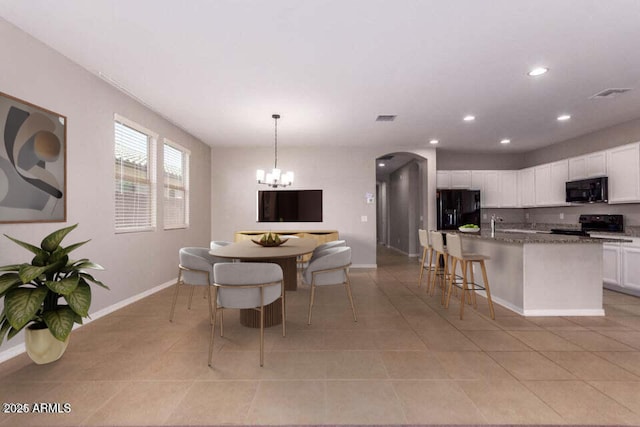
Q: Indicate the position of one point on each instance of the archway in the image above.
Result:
(402, 202)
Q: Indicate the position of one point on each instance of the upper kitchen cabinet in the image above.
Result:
(549, 183)
(527, 184)
(588, 166)
(460, 179)
(508, 189)
(453, 179)
(443, 179)
(624, 173)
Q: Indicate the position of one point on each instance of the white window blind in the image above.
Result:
(176, 185)
(135, 183)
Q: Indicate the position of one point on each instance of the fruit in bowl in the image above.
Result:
(270, 239)
(469, 228)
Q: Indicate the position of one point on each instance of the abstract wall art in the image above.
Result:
(33, 151)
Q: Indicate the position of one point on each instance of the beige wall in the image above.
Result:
(134, 262)
(344, 174)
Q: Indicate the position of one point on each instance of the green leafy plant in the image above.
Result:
(51, 292)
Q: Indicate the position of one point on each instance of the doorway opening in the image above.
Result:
(401, 201)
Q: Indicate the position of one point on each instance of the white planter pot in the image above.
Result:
(42, 347)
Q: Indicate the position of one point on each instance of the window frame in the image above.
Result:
(151, 181)
(186, 188)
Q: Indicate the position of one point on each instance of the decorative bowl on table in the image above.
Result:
(269, 240)
(469, 229)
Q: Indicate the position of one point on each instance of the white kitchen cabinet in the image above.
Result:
(443, 179)
(621, 264)
(460, 179)
(491, 190)
(549, 183)
(623, 164)
(559, 178)
(542, 179)
(477, 180)
(611, 264)
(508, 186)
(588, 166)
(526, 183)
(631, 265)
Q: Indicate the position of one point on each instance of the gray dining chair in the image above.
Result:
(195, 269)
(246, 285)
(331, 267)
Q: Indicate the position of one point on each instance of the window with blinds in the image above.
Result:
(176, 185)
(135, 183)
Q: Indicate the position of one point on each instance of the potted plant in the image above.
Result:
(47, 296)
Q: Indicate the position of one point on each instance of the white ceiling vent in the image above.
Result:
(609, 93)
(385, 118)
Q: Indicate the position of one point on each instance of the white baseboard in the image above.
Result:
(20, 348)
(565, 312)
(364, 266)
(545, 312)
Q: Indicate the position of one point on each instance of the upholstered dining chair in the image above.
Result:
(246, 285)
(195, 269)
(332, 244)
(331, 267)
(218, 243)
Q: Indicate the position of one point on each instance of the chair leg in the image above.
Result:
(347, 284)
(434, 278)
(311, 297)
(454, 265)
(464, 288)
(473, 287)
(208, 295)
(175, 296)
(424, 255)
(431, 264)
(213, 324)
(486, 288)
(443, 283)
(221, 322)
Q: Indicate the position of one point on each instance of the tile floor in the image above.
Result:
(407, 360)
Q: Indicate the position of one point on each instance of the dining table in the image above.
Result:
(285, 255)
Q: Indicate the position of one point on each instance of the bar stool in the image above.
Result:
(442, 257)
(454, 249)
(426, 249)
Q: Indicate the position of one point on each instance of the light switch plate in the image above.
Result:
(364, 218)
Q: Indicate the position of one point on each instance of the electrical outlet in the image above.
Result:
(526, 215)
(484, 216)
(364, 218)
(561, 215)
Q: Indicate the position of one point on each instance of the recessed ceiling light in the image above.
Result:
(564, 117)
(381, 164)
(505, 141)
(434, 141)
(538, 71)
(469, 118)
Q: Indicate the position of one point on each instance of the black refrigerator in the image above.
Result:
(457, 207)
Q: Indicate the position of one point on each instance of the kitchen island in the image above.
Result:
(541, 274)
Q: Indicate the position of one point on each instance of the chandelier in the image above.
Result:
(275, 178)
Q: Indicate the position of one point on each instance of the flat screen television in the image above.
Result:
(290, 206)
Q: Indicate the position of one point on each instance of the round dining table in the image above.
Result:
(285, 256)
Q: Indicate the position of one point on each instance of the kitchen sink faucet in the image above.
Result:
(494, 218)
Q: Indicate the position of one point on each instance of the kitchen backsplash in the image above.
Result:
(562, 217)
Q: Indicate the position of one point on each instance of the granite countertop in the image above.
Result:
(522, 238)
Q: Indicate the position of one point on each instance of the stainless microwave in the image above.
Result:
(592, 190)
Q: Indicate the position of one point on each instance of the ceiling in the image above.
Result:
(219, 69)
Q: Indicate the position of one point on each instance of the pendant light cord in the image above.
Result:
(275, 166)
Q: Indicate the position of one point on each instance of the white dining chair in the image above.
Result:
(246, 285)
